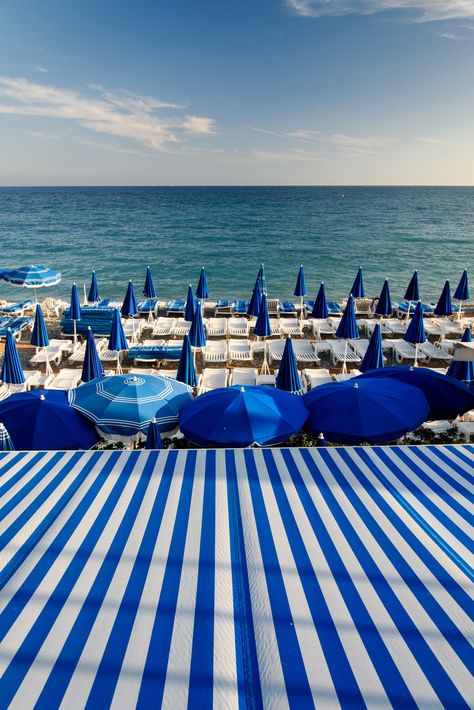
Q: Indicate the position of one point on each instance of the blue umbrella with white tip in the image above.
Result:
(39, 336)
(153, 437)
(197, 334)
(384, 304)
(190, 305)
(320, 308)
(462, 291)
(202, 290)
(357, 290)
(256, 300)
(93, 295)
(444, 305)
(117, 339)
(300, 288)
(75, 309)
(186, 369)
(92, 366)
(373, 357)
(416, 334)
(149, 291)
(347, 328)
(263, 330)
(288, 377)
(129, 305)
(413, 292)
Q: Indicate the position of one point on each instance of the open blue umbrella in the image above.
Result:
(92, 366)
(288, 377)
(6, 443)
(75, 309)
(149, 290)
(357, 289)
(123, 406)
(444, 305)
(463, 371)
(347, 328)
(12, 372)
(373, 357)
(186, 369)
(33, 276)
(300, 288)
(413, 292)
(384, 304)
(197, 334)
(117, 339)
(39, 336)
(93, 295)
(42, 420)
(416, 330)
(447, 397)
(359, 410)
(129, 305)
(242, 416)
(202, 291)
(153, 437)
(190, 304)
(462, 291)
(320, 308)
(263, 330)
(256, 300)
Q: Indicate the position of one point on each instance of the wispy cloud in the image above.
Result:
(305, 134)
(413, 10)
(353, 145)
(453, 35)
(438, 141)
(41, 70)
(290, 156)
(142, 119)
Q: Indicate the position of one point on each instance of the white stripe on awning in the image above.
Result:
(277, 577)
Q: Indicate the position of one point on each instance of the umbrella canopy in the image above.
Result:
(300, 288)
(42, 420)
(197, 334)
(153, 437)
(373, 358)
(12, 373)
(384, 304)
(75, 310)
(92, 366)
(444, 306)
(288, 377)
(39, 335)
(202, 291)
(347, 327)
(190, 304)
(122, 406)
(462, 291)
(357, 289)
(320, 308)
(413, 292)
(129, 305)
(263, 328)
(447, 397)
(361, 410)
(416, 330)
(6, 444)
(117, 339)
(463, 371)
(32, 276)
(256, 300)
(149, 287)
(186, 369)
(93, 295)
(242, 416)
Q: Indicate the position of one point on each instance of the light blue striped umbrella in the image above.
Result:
(6, 444)
(444, 305)
(129, 305)
(153, 437)
(416, 333)
(197, 334)
(373, 357)
(384, 304)
(186, 369)
(202, 290)
(93, 295)
(123, 406)
(288, 377)
(12, 372)
(117, 339)
(39, 336)
(33, 276)
(75, 308)
(190, 305)
(92, 366)
(357, 290)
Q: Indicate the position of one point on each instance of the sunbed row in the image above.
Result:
(16, 324)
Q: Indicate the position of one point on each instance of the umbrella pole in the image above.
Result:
(265, 368)
(49, 369)
(344, 365)
(408, 309)
(150, 315)
(459, 313)
(75, 334)
(119, 366)
(84, 303)
(416, 354)
(301, 311)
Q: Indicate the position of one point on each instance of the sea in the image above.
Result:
(118, 231)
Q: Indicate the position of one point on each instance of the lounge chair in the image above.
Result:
(275, 326)
(224, 307)
(148, 305)
(244, 376)
(167, 373)
(79, 354)
(275, 350)
(66, 379)
(304, 351)
(216, 328)
(164, 326)
(16, 325)
(432, 352)
(241, 307)
(322, 326)
(291, 326)
(340, 354)
(17, 309)
(404, 351)
(449, 327)
(402, 308)
(175, 307)
(53, 306)
(334, 308)
(238, 327)
(342, 377)
(215, 351)
(132, 329)
(240, 350)
(208, 307)
(433, 327)
(35, 379)
(315, 377)
(212, 378)
(273, 305)
(368, 326)
(395, 326)
(181, 327)
(266, 380)
(53, 352)
(286, 307)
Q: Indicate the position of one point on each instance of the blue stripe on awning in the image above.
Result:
(337, 576)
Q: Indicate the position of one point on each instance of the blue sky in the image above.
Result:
(248, 92)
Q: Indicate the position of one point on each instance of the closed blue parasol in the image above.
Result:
(357, 290)
(43, 420)
(202, 290)
(373, 357)
(123, 406)
(444, 305)
(117, 339)
(320, 308)
(288, 377)
(153, 437)
(384, 304)
(12, 373)
(149, 290)
(347, 328)
(190, 304)
(447, 397)
(93, 295)
(463, 371)
(462, 291)
(300, 288)
(129, 305)
(263, 330)
(75, 309)
(359, 410)
(256, 300)
(197, 334)
(413, 292)
(186, 369)
(242, 416)
(92, 366)
(39, 336)
(416, 330)
(6, 444)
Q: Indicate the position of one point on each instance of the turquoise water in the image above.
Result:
(230, 230)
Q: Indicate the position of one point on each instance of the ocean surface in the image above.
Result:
(230, 230)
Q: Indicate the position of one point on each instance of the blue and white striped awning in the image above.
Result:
(32, 276)
(245, 578)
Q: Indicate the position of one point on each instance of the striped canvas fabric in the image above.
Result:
(234, 579)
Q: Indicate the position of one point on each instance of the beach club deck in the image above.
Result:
(239, 578)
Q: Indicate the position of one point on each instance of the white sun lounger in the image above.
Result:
(450, 327)
(215, 351)
(80, 353)
(342, 377)
(368, 325)
(266, 380)
(273, 305)
(133, 328)
(216, 327)
(322, 326)
(244, 376)
(317, 376)
(275, 349)
(339, 354)
(213, 378)
(304, 351)
(275, 326)
(403, 351)
(143, 371)
(434, 353)
(240, 350)
(238, 327)
(182, 327)
(66, 379)
(396, 327)
(291, 326)
(167, 373)
(164, 326)
(35, 379)
(54, 355)
(433, 328)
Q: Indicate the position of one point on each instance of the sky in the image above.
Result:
(243, 92)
